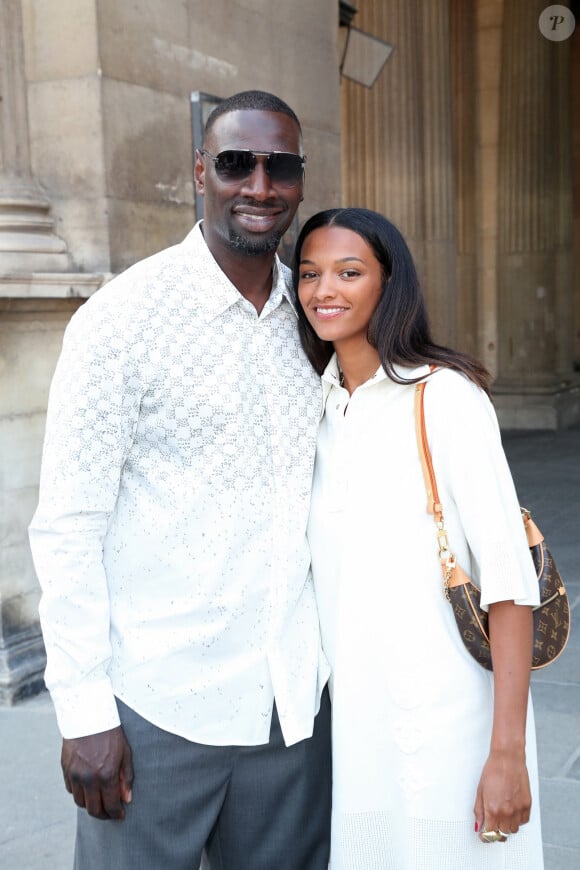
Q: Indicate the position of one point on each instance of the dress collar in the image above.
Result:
(331, 375)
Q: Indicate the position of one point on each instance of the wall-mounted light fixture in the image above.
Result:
(362, 55)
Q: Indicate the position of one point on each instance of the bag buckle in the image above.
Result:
(443, 542)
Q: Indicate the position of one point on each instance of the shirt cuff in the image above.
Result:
(88, 708)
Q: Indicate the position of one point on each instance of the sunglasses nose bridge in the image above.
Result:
(259, 180)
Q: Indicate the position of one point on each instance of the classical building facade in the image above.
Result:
(467, 140)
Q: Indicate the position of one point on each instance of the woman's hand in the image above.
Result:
(503, 800)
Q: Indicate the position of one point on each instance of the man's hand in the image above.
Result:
(98, 772)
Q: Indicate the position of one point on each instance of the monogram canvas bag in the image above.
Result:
(551, 617)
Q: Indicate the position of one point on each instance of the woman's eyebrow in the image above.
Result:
(341, 260)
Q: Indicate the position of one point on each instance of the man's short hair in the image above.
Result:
(260, 100)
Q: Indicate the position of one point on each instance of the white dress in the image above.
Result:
(412, 712)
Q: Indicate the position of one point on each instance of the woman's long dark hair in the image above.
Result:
(399, 327)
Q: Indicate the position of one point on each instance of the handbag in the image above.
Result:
(551, 617)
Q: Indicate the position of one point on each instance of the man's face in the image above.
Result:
(248, 216)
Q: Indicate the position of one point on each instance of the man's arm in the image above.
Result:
(92, 414)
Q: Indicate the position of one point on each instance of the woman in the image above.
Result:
(431, 752)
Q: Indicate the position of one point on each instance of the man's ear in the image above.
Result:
(199, 172)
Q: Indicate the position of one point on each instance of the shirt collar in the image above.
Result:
(331, 375)
(216, 293)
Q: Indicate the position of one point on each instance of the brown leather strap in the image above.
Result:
(453, 573)
(433, 503)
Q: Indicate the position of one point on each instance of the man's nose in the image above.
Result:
(258, 183)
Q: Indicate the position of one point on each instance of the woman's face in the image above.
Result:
(340, 284)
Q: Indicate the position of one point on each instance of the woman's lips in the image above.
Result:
(328, 312)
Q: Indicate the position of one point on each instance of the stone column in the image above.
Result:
(439, 195)
(536, 387)
(488, 23)
(575, 112)
(397, 143)
(464, 95)
(37, 297)
(27, 238)
(382, 145)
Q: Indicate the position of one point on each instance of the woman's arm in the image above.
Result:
(477, 489)
(503, 798)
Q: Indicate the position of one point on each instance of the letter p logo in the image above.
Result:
(557, 23)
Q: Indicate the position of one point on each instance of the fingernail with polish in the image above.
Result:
(476, 827)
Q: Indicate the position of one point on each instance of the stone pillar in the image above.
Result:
(27, 238)
(464, 96)
(397, 143)
(37, 293)
(382, 159)
(575, 112)
(439, 195)
(381, 132)
(489, 17)
(536, 387)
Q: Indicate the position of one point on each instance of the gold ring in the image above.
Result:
(502, 834)
(493, 836)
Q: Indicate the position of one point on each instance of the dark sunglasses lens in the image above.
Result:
(235, 164)
(285, 169)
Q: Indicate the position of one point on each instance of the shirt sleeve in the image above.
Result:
(92, 414)
(476, 489)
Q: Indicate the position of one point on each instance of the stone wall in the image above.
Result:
(109, 86)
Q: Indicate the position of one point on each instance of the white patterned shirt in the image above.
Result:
(170, 535)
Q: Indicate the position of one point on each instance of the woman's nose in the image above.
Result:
(325, 288)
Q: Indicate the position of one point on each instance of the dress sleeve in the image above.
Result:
(476, 489)
(92, 413)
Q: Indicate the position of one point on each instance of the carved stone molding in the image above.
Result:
(27, 238)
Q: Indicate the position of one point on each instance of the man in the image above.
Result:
(184, 656)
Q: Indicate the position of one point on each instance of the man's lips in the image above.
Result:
(257, 219)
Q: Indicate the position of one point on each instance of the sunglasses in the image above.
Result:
(285, 169)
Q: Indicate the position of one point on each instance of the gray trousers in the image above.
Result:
(244, 807)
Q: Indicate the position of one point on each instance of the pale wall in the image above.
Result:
(108, 91)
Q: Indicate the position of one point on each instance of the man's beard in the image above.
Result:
(255, 247)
